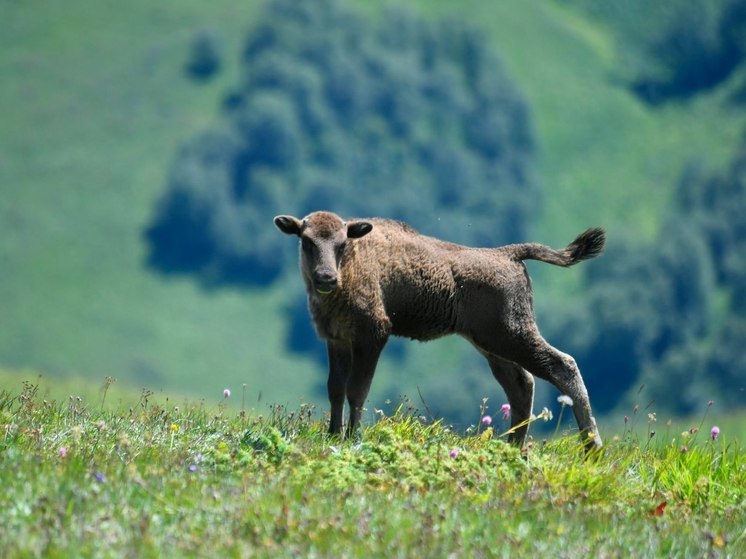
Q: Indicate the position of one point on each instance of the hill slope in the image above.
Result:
(95, 104)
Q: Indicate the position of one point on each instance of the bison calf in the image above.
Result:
(369, 279)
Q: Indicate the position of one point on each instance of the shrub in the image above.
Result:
(398, 117)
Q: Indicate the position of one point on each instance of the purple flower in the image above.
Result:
(192, 468)
(454, 453)
(505, 408)
(226, 393)
(714, 432)
(486, 420)
(99, 477)
(63, 451)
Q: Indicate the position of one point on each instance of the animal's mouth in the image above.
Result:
(324, 284)
(324, 287)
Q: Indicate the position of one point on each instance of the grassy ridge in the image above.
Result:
(163, 480)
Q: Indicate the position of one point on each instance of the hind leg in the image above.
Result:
(562, 371)
(532, 352)
(519, 388)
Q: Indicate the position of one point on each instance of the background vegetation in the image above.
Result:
(144, 150)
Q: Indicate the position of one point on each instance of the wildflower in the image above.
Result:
(505, 408)
(174, 427)
(63, 451)
(454, 453)
(76, 432)
(658, 511)
(123, 440)
(710, 403)
(651, 417)
(545, 414)
(565, 400)
(684, 449)
(716, 540)
(714, 432)
(192, 468)
(626, 419)
(99, 477)
(486, 420)
(226, 393)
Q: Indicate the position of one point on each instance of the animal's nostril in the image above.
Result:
(326, 276)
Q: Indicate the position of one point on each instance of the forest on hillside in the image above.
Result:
(418, 120)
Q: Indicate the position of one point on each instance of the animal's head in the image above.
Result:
(323, 237)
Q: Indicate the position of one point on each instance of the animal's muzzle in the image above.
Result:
(325, 281)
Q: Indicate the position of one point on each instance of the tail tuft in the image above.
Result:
(587, 245)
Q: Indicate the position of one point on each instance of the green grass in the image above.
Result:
(95, 106)
(157, 479)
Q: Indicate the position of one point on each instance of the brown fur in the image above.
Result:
(369, 279)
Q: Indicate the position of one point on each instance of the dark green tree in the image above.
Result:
(643, 303)
(204, 57)
(699, 48)
(669, 314)
(395, 116)
(716, 204)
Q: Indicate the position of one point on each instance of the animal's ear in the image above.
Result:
(358, 229)
(288, 224)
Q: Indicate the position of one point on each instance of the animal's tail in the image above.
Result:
(587, 245)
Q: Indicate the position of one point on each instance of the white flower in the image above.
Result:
(565, 400)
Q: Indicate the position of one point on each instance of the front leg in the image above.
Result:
(340, 360)
(364, 360)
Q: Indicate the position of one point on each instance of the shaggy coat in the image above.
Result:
(369, 279)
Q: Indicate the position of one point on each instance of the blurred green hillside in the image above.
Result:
(96, 105)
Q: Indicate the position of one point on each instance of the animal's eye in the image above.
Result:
(340, 249)
(306, 243)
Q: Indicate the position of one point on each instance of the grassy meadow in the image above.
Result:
(153, 478)
(95, 105)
